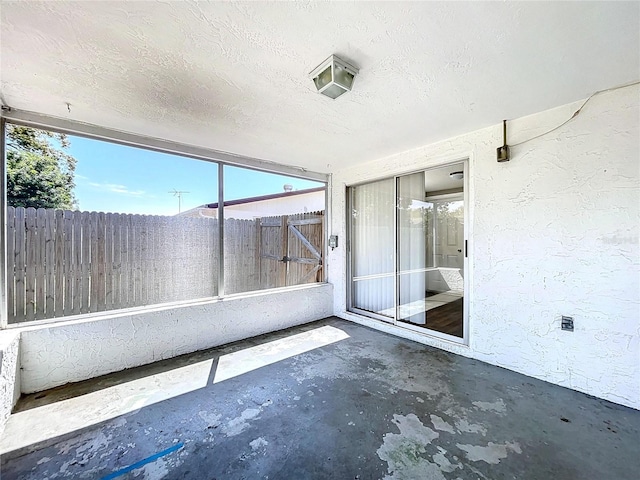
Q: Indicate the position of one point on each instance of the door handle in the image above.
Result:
(459, 250)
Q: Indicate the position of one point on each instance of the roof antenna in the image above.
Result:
(503, 153)
(178, 193)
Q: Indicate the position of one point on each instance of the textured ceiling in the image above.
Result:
(233, 76)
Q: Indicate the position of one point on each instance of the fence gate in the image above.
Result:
(291, 249)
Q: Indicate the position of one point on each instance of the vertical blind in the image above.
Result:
(372, 246)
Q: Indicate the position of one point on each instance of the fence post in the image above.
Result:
(284, 235)
(20, 264)
(258, 253)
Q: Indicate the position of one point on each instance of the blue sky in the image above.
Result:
(119, 179)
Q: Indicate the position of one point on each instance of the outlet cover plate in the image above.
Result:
(567, 323)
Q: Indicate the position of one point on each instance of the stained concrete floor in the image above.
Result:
(294, 405)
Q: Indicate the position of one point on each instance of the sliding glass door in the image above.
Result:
(408, 250)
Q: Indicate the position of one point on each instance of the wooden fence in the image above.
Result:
(62, 263)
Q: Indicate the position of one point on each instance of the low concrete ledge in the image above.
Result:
(70, 351)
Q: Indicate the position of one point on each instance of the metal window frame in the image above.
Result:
(70, 127)
(221, 230)
(94, 132)
(4, 314)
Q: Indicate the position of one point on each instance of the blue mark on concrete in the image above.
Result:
(144, 461)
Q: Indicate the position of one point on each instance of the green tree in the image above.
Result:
(40, 172)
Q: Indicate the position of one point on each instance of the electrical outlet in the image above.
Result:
(567, 323)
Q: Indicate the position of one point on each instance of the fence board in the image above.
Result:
(85, 270)
(50, 255)
(108, 261)
(76, 273)
(20, 265)
(41, 216)
(305, 221)
(136, 252)
(144, 258)
(59, 264)
(31, 260)
(151, 264)
(93, 266)
(162, 253)
(213, 256)
(41, 226)
(125, 276)
(100, 258)
(271, 222)
(67, 220)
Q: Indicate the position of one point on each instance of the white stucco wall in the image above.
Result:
(554, 231)
(9, 374)
(303, 203)
(75, 350)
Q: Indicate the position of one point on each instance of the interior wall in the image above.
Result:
(72, 351)
(553, 232)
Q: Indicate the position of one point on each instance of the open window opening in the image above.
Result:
(95, 226)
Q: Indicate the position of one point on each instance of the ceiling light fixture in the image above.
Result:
(457, 175)
(333, 77)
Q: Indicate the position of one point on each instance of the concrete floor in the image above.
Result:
(329, 400)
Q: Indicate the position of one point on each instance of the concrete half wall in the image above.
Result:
(9, 374)
(553, 232)
(75, 350)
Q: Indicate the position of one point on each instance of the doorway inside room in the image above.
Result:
(408, 251)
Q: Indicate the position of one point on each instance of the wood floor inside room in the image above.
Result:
(446, 318)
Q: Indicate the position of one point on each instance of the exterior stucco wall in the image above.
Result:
(9, 374)
(553, 232)
(303, 203)
(71, 351)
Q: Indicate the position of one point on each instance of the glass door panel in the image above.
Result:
(445, 283)
(412, 248)
(430, 228)
(372, 247)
